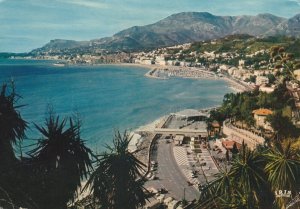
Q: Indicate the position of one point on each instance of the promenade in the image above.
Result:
(179, 71)
(186, 132)
(240, 135)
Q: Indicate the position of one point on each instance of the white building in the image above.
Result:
(147, 61)
(185, 64)
(246, 76)
(241, 63)
(238, 73)
(160, 60)
(260, 80)
(260, 116)
(231, 70)
(171, 62)
(224, 67)
(258, 72)
(297, 74)
(266, 89)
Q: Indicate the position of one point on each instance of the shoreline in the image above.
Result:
(157, 123)
(144, 136)
(232, 83)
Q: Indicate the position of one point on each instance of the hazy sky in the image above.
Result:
(28, 24)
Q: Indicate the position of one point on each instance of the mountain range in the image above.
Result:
(181, 28)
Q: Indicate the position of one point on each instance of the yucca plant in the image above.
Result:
(117, 181)
(12, 132)
(61, 161)
(12, 125)
(283, 169)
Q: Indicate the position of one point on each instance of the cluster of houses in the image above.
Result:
(169, 56)
(178, 56)
(260, 78)
(88, 59)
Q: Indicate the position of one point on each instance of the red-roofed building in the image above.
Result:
(229, 144)
(260, 116)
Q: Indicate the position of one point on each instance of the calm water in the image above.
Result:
(105, 97)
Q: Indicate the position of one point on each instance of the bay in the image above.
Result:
(106, 97)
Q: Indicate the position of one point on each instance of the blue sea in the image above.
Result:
(105, 97)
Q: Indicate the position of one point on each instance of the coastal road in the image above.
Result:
(169, 174)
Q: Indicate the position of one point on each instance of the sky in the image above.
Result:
(29, 24)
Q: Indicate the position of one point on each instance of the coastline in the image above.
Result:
(142, 136)
(143, 143)
(149, 68)
(233, 84)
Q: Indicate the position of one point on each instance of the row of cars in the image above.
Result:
(157, 197)
(153, 169)
(159, 200)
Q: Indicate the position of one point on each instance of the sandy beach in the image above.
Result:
(155, 72)
(165, 72)
(185, 72)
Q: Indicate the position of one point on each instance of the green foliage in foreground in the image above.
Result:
(60, 162)
(51, 174)
(117, 182)
(254, 178)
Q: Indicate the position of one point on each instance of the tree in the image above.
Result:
(243, 186)
(209, 126)
(12, 131)
(217, 115)
(253, 79)
(61, 160)
(282, 126)
(271, 78)
(234, 150)
(215, 193)
(283, 60)
(117, 181)
(247, 171)
(283, 168)
(12, 126)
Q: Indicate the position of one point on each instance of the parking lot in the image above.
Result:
(168, 175)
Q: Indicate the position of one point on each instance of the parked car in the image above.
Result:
(163, 190)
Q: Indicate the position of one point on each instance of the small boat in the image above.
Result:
(59, 64)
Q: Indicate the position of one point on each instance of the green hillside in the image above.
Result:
(245, 44)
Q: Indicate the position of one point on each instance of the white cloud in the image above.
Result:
(296, 1)
(88, 3)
